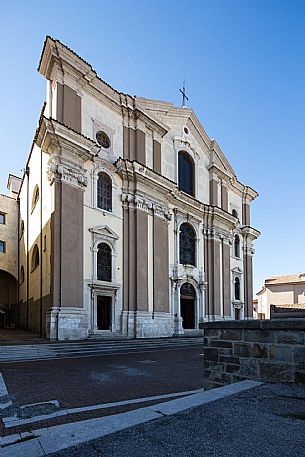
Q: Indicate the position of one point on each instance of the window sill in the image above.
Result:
(109, 212)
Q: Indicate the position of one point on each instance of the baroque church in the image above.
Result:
(131, 220)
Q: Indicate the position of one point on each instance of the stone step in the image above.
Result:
(32, 352)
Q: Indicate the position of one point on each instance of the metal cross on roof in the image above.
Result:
(184, 97)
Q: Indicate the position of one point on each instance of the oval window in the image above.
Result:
(103, 139)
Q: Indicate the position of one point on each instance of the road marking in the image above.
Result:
(14, 421)
(41, 403)
(59, 437)
(4, 397)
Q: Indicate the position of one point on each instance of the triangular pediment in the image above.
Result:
(104, 231)
(185, 117)
(237, 270)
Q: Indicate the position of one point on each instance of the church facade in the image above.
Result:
(132, 221)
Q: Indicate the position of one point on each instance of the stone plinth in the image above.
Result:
(270, 350)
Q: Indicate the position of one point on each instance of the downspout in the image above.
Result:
(246, 279)
(27, 172)
(41, 245)
(18, 261)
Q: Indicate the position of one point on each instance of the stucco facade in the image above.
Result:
(63, 294)
(9, 253)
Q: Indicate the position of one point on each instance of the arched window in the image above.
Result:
(187, 242)
(35, 197)
(35, 257)
(21, 279)
(104, 262)
(236, 246)
(186, 175)
(237, 288)
(234, 213)
(104, 192)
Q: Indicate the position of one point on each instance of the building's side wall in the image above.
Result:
(35, 291)
(9, 262)
(281, 294)
(9, 234)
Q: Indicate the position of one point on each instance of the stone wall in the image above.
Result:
(270, 350)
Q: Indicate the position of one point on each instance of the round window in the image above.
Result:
(103, 139)
(186, 130)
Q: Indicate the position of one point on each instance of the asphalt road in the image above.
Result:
(268, 421)
(106, 378)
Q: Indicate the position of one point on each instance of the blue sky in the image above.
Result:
(244, 64)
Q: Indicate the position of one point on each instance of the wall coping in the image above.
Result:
(268, 324)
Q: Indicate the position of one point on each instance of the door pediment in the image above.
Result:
(104, 231)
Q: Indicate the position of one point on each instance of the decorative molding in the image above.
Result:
(62, 170)
(142, 203)
(104, 232)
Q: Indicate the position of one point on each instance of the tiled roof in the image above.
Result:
(285, 279)
(290, 306)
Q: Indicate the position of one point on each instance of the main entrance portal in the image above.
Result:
(187, 305)
(103, 306)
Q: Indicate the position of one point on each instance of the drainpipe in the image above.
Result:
(41, 246)
(27, 172)
(18, 262)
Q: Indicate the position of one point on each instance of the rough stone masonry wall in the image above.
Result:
(270, 350)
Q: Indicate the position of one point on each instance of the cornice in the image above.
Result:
(73, 67)
(247, 193)
(218, 156)
(250, 233)
(133, 173)
(147, 204)
(52, 134)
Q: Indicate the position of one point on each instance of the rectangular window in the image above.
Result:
(45, 243)
(2, 247)
(2, 218)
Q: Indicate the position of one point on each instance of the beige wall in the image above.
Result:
(35, 291)
(280, 294)
(9, 234)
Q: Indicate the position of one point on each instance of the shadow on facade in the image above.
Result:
(8, 300)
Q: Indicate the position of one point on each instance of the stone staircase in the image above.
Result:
(92, 347)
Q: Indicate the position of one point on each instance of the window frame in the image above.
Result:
(2, 215)
(237, 288)
(187, 239)
(109, 253)
(188, 188)
(34, 262)
(100, 192)
(236, 246)
(36, 197)
(3, 243)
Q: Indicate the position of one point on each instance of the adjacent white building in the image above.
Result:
(281, 296)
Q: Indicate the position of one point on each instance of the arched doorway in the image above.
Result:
(187, 305)
(8, 299)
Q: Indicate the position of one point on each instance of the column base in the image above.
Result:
(144, 324)
(66, 324)
(179, 330)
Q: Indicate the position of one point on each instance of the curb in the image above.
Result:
(42, 442)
